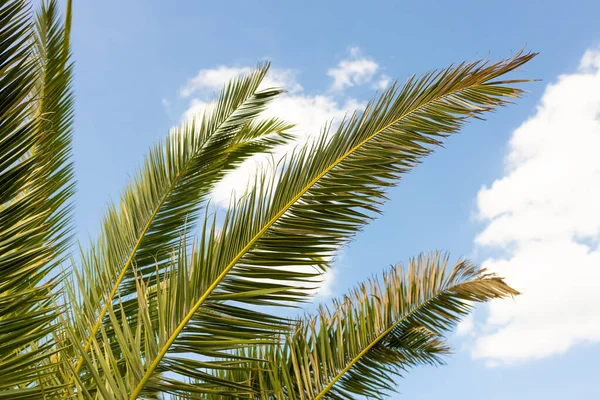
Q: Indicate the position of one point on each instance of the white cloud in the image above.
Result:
(356, 70)
(382, 83)
(325, 290)
(466, 327)
(166, 104)
(544, 214)
(590, 60)
(195, 107)
(209, 81)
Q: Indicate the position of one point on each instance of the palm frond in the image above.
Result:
(137, 327)
(165, 197)
(325, 192)
(36, 184)
(371, 336)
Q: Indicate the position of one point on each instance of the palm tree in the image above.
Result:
(174, 299)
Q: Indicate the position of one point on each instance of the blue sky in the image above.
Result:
(141, 65)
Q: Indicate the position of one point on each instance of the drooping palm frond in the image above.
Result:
(322, 195)
(36, 184)
(371, 336)
(166, 195)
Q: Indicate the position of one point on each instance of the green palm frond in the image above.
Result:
(136, 328)
(36, 184)
(374, 334)
(166, 195)
(325, 192)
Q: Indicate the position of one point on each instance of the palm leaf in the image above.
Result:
(374, 334)
(324, 193)
(36, 184)
(166, 195)
(137, 327)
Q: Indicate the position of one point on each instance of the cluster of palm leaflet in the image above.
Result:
(169, 300)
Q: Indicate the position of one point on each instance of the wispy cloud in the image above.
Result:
(382, 83)
(356, 70)
(211, 80)
(544, 214)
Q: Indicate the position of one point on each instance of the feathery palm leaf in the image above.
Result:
(119, 354)
(375, 333)
(166, 195)
(36, 184)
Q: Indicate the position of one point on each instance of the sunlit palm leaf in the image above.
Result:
(36, 183)
(371, 336)
(132, 335)
(166, 194)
